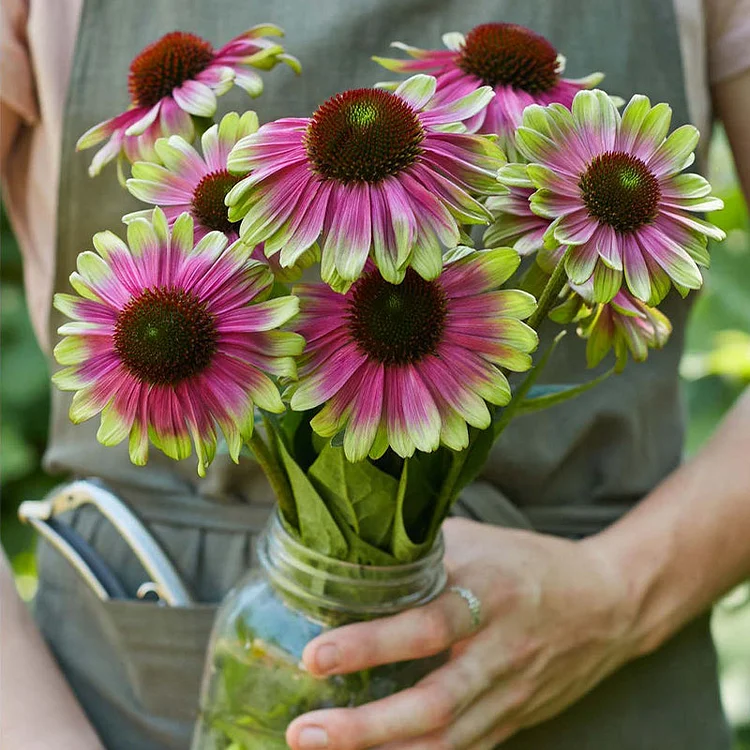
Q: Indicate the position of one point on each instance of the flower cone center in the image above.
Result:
(165, 335)
(618, 189)
(508, 55)
(363, 135)
(167, 64)
(397, 324)
(208, 201)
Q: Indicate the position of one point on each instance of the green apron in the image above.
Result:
(136, 666)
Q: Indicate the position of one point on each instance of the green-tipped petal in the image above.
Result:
(499, 263)
(138, 444)
(276, 312)
(265, 394)
(656, 125)
(518, 335)
(607, 282)
(515, 304)
(69, 379)
(67, 304)
(417, 90)
(595, 109)
(114, 427)
(93, 268)
(182, 234)
(84, 405)
(515, 175)
(674, 154)
(142, 237)
(453, 430)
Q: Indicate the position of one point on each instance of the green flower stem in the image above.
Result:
(447, 491)
(274, 471)
(550, 294)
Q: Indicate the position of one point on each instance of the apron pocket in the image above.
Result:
(134, 665)
(163, 649)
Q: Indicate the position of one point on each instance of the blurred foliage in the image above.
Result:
(716, 367)
(24, 403)
(717, 364)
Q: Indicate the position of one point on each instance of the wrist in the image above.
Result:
(638, 570)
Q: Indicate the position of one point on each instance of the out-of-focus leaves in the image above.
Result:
(24, 403)
(722, 305)
(729, 358)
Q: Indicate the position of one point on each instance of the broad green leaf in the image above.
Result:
(363, 496)
(362, 553)
(545, 396)
(318, 530)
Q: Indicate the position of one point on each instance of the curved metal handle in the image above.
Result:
(167, 582)
(61, 544)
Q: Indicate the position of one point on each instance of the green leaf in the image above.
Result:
(363, 553)
(545, 396)
(317, 527)
(412, 485)
(363, 496)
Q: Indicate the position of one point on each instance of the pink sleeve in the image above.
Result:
(728, 38)
(17, 86)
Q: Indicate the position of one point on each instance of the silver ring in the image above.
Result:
(475, 605)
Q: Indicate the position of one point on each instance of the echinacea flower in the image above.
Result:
(612, 187)
(624, 324)
(409, 365)
(186, 182)
(371, 173)
(170, 338)
(521, 66)
(176, 78)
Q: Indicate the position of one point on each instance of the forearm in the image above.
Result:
(688, 542)
(37, 707)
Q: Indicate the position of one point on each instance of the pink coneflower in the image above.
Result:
(612, 189)
(521, 66)
(185, 181)
(170, 338)
(409, 365)
(370, 173)
(176, 78)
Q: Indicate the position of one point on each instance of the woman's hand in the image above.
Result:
(556, 619)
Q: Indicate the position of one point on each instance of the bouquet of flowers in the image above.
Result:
(372, 395)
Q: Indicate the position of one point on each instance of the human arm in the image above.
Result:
(37, 707)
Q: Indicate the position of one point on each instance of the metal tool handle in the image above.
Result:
(66, 549)
(167, 582)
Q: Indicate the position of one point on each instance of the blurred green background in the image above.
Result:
(716, 368)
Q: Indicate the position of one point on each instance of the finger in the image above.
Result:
(433, 704)
(473, 726)
(414, 634)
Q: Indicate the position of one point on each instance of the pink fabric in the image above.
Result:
(37, 41)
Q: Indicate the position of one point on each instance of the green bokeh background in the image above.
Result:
(716, 368)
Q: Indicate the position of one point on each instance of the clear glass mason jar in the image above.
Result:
(254, 684)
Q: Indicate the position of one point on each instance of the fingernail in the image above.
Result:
(327, 657)
(312, 738)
